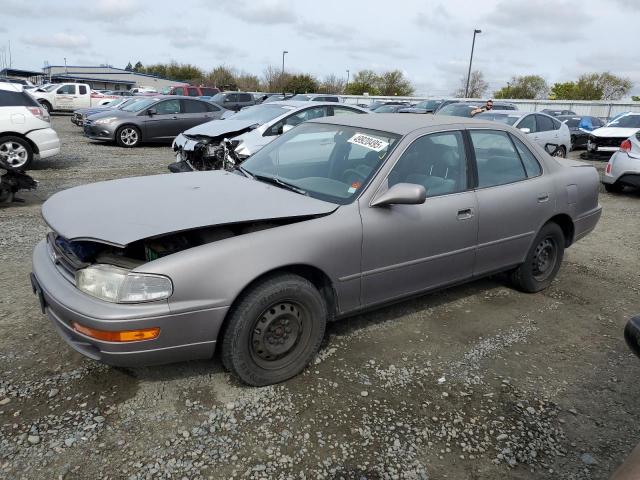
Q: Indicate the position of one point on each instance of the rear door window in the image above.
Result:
(245, 97)
(83, 89)
(529, 161)
(544, 123)
(212, 108)
(497, 160)
(194, 106)
(193, 92)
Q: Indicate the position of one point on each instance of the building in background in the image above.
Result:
(99, 78)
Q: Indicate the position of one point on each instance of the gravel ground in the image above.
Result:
(478, 381)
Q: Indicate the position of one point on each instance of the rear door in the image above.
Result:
(194, 112)
(546, 131)
(514, 199)
(193, 92)
(83, 98)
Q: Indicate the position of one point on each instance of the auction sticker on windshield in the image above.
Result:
(372, 143)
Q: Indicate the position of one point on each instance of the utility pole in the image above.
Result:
(347, 79)
(466, 90)
(10, 59)
(284, 52)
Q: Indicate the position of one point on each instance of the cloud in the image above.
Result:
(68, 41)
(324, 31)
(439, 20)
(116, 9)
(266, 12)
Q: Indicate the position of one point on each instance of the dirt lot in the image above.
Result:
(476, 382)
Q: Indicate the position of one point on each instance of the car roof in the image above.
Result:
(398, 123)
(303, 103)
(10, 86)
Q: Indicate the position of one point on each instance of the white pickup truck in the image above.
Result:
(69, 97)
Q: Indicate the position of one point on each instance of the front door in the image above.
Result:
(165, 122)
(514, 199)
(412, 248)
(65, 97)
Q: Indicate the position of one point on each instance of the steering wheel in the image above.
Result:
(351, 175)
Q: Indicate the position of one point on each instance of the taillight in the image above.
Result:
(625, 146)
(40, 113)
(608, 169)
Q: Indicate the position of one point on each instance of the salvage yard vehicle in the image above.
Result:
(78, 117)
(539, 127)
(579, 128)
(233, 100)
(608, 138)
(338, 215)
(25, 129)
(203, 147)
(190, 91)
(426, 106)
(69, 97)
(316, 97)
(623, 168)
(152, 119)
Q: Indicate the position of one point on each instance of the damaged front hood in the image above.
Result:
(216, 128)
(608, 132)
(120, 212)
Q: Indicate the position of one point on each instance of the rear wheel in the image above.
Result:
(16, 152)
(613, 187)
(543, 260)
(274, 330)
(561, 151)
(128, 136)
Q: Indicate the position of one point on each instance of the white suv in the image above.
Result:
(25, 129)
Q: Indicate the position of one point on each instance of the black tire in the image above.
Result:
(274, 330)
(573, 143)
(128, 136)
(16, 152)
(46, 105)
(543, 260)
(613, 187)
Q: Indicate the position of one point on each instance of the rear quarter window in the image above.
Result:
(17, 99)
(245, 97)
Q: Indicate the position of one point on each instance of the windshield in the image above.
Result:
(456, 110)
(628, 121)
(429, 104)
(49, 88)
(139, 105)
(498, 117)
(329, 162)
(302, 98)
(261, 113)
(388, 108)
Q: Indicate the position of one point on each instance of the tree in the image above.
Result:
(222, 76)
(301, 83)
(365, 81)
(129, 67)
(394, 83)
(477, 86)
(593, 86)
(273, 79)
(248, 82)
(332, 84)
(635, 98)
(528, 86)
(138, 66)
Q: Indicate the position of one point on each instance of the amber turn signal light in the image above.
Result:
(118, 336)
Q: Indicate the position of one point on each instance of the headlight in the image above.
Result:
(103, 121)
(118, 285)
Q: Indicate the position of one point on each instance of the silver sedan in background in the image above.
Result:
(623, 168)
(338, 215)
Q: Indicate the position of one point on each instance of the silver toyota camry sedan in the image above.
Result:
(337, 215)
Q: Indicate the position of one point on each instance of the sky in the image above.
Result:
(430, 41)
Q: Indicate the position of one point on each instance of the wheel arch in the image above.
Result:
(34, 147)
(565, 222)
(309, 272)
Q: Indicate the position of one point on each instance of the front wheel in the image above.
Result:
(128, 136)
(274, 330)
(543, 260)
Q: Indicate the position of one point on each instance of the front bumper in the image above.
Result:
(47, 141)
(622, 167)
(99, 132)
(183, 336)
(77, 119)
(603, 144)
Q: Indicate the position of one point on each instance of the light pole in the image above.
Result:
(466, 90)
(284, 52)
(347, 79)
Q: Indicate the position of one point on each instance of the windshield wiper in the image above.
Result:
(280, 183)
(246, 172)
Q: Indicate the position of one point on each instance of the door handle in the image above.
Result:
(543, 197)
(465, 213)
(174, 118)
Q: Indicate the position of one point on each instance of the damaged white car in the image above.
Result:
(222, 144)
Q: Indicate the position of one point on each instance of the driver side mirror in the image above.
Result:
(152, 111)
(402, 194)
(525, 130)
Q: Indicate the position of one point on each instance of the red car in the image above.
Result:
(191, 91)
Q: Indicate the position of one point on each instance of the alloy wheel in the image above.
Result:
(14, 154)
(129, 136)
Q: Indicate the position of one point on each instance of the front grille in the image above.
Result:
(607, 141)
(63, 256)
